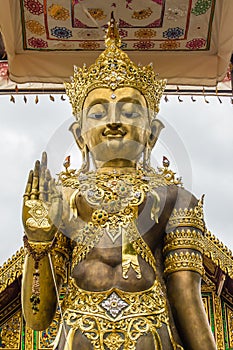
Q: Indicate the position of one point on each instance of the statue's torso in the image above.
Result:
(100, 270)
(102, 267)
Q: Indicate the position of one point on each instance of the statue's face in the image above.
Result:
(115, 125)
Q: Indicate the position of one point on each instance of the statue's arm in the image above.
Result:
(183, 251)
(46, 250)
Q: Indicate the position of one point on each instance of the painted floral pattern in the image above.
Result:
(169, 45)
(123, 33)
(35, 27)
(142, 14)
(34, 6)
(143, 45)
(89, 45)
(196, 43)
(97, 14)
(145, 33)
(58, 12)
(37, 43)
(141, 27)
(173, 33)
(201, 7)
(61, 32)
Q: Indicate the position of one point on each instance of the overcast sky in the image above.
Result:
(197, 139)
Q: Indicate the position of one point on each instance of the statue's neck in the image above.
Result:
(118, 164)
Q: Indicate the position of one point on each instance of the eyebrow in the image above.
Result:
(130, 99)
(97, 101)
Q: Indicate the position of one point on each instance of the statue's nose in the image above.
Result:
(113, 115)
(113, 125)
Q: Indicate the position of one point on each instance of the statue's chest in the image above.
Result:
(111, 222)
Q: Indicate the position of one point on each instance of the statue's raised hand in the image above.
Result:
(42, 206)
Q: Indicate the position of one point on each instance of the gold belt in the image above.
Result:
(115, 319)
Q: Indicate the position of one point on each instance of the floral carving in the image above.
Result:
(143, 45)
(34, 6)
(61, 32)
(35, 27)
(173, 33)
(113, 341)
(114, 304)
(169, 45)
(58, 12)
(145, 33)
(37, 43)
(196, 43)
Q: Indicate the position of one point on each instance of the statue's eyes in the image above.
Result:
(130, 110)
(96, 115)
(98, 111)
(130, 114)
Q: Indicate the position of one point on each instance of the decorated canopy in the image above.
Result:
(189, 41)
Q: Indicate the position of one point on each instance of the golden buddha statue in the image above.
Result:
(127, 239)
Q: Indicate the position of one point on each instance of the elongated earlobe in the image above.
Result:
(76, 131)
(156, 127)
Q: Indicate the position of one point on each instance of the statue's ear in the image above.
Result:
(156, 127)
(76, 131)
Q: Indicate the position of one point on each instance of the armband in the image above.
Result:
(184, 261)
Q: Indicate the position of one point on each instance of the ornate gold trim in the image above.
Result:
(188, 217)
(184, 261)
(218, 253)
(218, 321)
(183, 239)
(11, 269)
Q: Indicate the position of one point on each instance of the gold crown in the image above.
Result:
(113, 69)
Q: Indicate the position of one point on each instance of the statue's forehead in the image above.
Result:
(105, 95)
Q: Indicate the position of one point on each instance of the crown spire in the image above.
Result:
(112, 35)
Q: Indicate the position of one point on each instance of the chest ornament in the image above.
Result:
(115, 198)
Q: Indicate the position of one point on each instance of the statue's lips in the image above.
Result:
(114, 133)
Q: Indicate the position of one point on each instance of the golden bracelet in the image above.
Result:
(184, 261)
(183, 239)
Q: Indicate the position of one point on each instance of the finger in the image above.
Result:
(43, 186)
(48, 179)
(44, 161)
(35, 181)
(28, 186)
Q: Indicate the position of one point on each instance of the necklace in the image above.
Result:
(115, 198)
